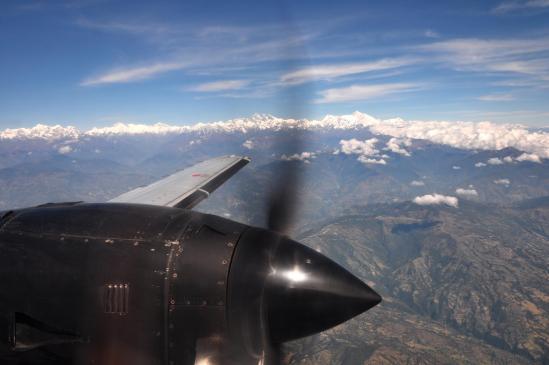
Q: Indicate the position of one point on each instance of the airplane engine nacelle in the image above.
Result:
(136, 284)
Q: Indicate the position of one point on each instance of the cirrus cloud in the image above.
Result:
(508, 6)
(132, 74)
(363, 92)
(221, 85)
(496, 97)
(330, 72)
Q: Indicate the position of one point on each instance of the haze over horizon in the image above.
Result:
(96, 62)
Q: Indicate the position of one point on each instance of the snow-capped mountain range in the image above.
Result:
(464, 135)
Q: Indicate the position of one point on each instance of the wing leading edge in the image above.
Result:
(188, 187)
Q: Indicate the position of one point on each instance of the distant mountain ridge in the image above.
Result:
(465, 135)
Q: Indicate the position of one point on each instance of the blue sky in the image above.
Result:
(96, 62)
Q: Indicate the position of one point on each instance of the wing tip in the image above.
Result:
(246, 158)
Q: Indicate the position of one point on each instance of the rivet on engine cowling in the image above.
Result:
(224, 262)
(230, 244)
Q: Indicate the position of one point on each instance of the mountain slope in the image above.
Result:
(473, 277)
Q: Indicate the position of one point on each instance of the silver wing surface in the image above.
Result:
(188, 187)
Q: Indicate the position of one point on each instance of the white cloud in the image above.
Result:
(367, 160)
(464, 135)
(221, 85)
(64, 150)
(505, 182)
(132, 74)
(436, 199)
(395, 145)
(456, 167)
(532, 157)
(249, 144)
(206, 50)
(508, 6)
(496, 97)
(417, 183)
(466, 192)
(303, 156)
(365, 149)
(480, 164)
(494, 161)
(330, 72)
(363, 92)
(525, 57)
(354, 146)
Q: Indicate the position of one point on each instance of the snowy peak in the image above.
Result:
(135, 129)
(41, 131)
(464, 135)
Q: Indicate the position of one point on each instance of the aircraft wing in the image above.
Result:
(188, 187)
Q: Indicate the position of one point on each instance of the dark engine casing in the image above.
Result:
(122, 284)
(112, 283)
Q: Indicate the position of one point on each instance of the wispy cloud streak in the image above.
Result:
(508, 6)
(363, 92)
(329, 72)
(190, 48)
(221, 85)
(132, 74)
(496, 97)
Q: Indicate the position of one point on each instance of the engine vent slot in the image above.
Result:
(116, 298)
